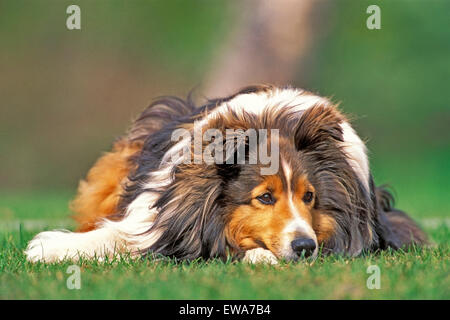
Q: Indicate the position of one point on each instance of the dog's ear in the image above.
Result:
(318, 124)
(236, 153)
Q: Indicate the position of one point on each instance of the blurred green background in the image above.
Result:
(65, 95)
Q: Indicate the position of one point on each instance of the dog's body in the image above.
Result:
(141, 199)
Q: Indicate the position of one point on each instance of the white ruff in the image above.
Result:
(110, 238)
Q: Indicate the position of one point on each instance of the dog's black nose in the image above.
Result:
(306, 244)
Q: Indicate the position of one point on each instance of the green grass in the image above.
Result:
(416, 274)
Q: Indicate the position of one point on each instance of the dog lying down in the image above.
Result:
(265, 174)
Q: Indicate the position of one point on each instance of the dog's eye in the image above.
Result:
(266, 198)
(308, 197)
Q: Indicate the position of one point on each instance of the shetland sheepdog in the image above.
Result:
(172, 187)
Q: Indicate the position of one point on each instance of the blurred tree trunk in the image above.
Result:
(269, 40)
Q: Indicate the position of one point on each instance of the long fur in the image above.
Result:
(184, 210)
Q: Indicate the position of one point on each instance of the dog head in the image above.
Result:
(214, 203)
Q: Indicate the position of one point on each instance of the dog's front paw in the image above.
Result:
(260, 255)
(47, 247)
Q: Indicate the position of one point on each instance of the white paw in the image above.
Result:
(260, 255)
(52, 246)
(47, 247)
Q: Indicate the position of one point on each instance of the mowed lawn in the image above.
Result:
(417, 274)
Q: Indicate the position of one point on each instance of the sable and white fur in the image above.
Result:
(136, 200)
